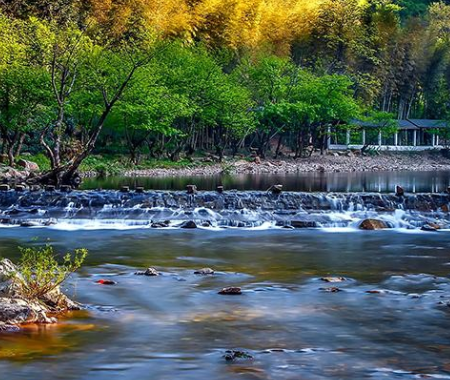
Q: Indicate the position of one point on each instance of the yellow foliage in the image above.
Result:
(232, 23)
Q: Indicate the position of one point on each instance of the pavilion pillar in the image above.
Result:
(396, 139)
(380, 141)
(364, 137)
(415, 138)
(433, 140)
(437, 140)
(329, 138)
(347, 137)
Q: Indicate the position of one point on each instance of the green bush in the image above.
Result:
(40, 272)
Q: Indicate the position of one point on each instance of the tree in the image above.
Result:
(24, 99)
(82, 73)
(271, 81)
(146, 111)
(216, 106)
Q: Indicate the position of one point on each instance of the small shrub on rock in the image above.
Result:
(41, 272)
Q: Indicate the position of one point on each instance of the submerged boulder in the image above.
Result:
(373, 224)
(331, 289)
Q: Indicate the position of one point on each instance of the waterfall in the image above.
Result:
(240, 209)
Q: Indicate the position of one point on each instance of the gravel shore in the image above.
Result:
(326, 164)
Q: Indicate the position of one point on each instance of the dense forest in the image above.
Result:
(171, 78)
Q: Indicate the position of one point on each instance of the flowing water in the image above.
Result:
(390, 318)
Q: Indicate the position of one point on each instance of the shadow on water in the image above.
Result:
(176, 326)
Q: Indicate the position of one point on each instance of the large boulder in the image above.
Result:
(16, 310)
(190, 224)
(9, 279)
(58, 301)
(28, 165)
(373, 224)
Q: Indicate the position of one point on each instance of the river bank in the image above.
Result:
(343, 162)
(333, 163)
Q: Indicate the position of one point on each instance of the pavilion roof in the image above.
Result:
(406, 124)
(428, 123)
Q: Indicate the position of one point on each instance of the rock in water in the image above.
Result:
(304, 224)
(231, 291)
(29, 223)
(159, 225)
(15, 310)
(332, 289)
(333, 279)
(431, 227)
(18, 311)
(399, 191)
(58, 301)
(190, 224)
(4, 327)
(232, 355)
(204, 271)
(373, 224)
(148, 272)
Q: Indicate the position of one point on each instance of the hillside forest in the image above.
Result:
(168, 79)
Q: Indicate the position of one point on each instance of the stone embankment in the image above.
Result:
(333, 163)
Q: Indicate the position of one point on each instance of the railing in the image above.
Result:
(394, 148)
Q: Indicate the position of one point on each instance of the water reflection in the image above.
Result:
(384, 182)
(176, 326)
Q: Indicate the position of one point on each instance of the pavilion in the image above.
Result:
(411, 135)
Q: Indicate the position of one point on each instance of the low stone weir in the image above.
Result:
(231, 208)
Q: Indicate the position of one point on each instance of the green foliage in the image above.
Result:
(40, 271)
(385, 121)
(166, 81)
(414, 7)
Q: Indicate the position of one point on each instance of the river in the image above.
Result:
(383, 182)
(390, 319)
